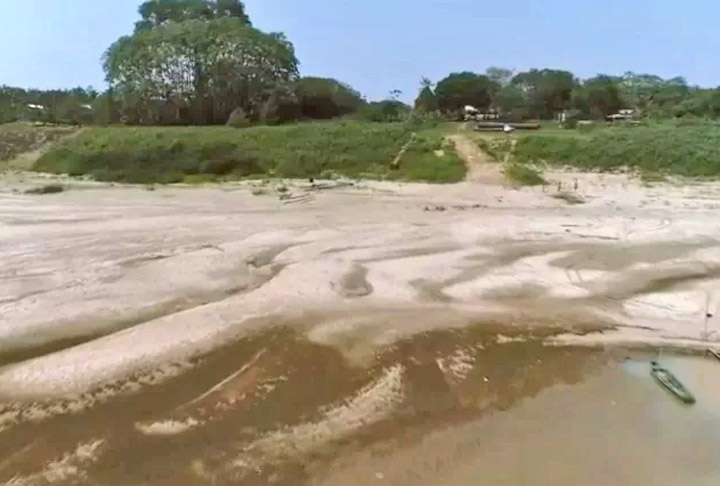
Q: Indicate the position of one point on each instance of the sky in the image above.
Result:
(381, 45)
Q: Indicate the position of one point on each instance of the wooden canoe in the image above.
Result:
(671, 383)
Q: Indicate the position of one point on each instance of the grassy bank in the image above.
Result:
(171, 154)
(19, 138)
(692, 151)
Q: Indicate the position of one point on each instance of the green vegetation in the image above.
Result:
(688, 151)
(499, 148)
(523, 175)
(430, 158)
(19, 138)
(199, 154)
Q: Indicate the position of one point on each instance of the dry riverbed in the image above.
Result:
(379, 332)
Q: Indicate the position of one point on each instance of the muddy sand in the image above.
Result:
(380, 332)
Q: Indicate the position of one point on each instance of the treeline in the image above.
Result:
(202, 62)
(308, 98)
(544, 93)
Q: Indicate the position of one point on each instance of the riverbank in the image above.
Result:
(384, 295)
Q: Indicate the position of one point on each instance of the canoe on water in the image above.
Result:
(672, 384)
(715, 353)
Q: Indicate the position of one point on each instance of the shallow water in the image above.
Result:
(486, 403)
(278, 407)
(618, 427)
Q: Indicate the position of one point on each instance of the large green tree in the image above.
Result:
(509, 100)
(465, 88)
(546, 91)
(155, 13)
(501, 76)
(324, 98)
(197, 71)
(603, 96)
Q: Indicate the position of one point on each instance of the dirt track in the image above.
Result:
(481, 168)
(231, 337)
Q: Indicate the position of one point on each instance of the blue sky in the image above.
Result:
(380, 45)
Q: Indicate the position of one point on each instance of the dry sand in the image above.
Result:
(152, 305)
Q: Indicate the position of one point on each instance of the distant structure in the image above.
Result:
(472, 113)
(622, 116)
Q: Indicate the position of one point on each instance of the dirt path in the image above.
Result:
(481, 167)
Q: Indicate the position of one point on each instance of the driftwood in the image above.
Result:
(396, 162)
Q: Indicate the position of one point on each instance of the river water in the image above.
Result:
(616, 427)
(489, 404)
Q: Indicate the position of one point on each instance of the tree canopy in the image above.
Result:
(324, 98)
(546, 91)
(426, 102)
(465, 88)
(155, 13)
(190, 67)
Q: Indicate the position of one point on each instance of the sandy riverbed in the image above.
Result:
(109, 294)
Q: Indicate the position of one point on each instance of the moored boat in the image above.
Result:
(671, 383)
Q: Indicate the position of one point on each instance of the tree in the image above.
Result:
(603, 96)
(198, 71)
(509, 99)
(155, 13)
(388, 110)
(653, 95)
(426, 102)
(466, 88)
(324, 98)
(546, 91)
(501, 76)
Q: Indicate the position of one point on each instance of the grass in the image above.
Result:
(692, 151)
(203, 154)
(496, 147)
(19, 138)
(523, 175)
(430, 158)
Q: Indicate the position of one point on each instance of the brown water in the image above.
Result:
(482, 405)
(617, 427)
